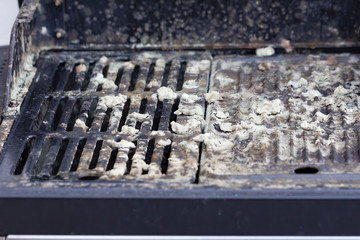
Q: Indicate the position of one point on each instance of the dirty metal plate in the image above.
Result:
(152, 118)
(111, 118)
(282, 117)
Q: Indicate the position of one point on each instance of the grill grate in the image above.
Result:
(90, 118)
(142, 118)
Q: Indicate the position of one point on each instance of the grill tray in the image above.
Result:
(74, 127)
(124, 117)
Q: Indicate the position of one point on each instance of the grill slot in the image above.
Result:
(24, 155)
(70, 84)
(157, 117)
(149, 76)
(78, 153)
(180, 81)
(58, 76)
(165, 158)
(74, 114)
(43, 109)
(105, 123)
(119, 76)
(112, 159)
(59, 113)
(149, 151)
(165, 78)
(95, 157)
(51, 157)
(60, 156)
(88, 76)
(42, 157)
(134, 78)
(124, 114)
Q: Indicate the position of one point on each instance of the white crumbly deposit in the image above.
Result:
(269, 107)
(153, 84)
(223, 79)
(190, 146)
(81, 124)
(99, 79)
(138, 165)
(221, 114)
(213, 96)
(311, 94)
(242, 134)
(288, 108)
(190, 84)
(187, 128)
(154, 170)
(265, 52)
(226, 126)
(117, 171)
(158, 133)
(340, 91)
(286, 45)
(81, 68)
(127, 130)
(320, 117)
(193, 110)
(195, 67)
(189, 98)
(166, 93)
(215, 143)
(122, 145)
(164, 142)
(141, 117)
(104, 60)
(112, 101)
(295, 83)
(309, 126)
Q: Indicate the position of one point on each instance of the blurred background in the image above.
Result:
(8, 12)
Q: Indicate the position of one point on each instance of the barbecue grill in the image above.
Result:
(181, 118)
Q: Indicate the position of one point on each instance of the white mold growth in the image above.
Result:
(166, 93)
(265, 52)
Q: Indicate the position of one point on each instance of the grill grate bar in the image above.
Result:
(65, 74)
(173, 74)
(67, 112)
(87, 156)
(96, 80)
(49, 115)
(142, 76)
(24, 157)
(104, 158)
(156, 79)
(115, 118)
(41, 114)
(68, 157)
(46, 168)
(126, 77)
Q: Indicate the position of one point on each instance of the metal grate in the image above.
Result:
(98, 117)
(143, 118)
